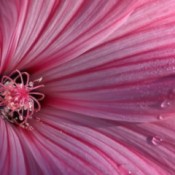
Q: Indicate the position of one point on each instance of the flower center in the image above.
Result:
(19, 98)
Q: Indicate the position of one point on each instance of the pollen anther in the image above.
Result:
(19, 98)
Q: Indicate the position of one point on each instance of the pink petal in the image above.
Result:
(12, 158)
(36, 31)
(77, 144)
(123, 74)
(121, 78)
(11, 20)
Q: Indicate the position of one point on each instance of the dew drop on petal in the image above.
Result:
(124, 170)
(165, 104)
(155, 140)
(129, 172)
(160, 117)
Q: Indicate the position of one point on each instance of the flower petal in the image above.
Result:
(11, 20)
(11, 151)
(83, 145)
(43, 35)
(91, 23)
(121, 78)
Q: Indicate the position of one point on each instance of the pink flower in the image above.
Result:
(108, 71)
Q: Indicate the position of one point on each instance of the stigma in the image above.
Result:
(19, 98)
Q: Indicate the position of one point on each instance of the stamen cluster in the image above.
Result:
(19, 99)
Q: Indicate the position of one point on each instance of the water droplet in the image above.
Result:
(165, 104)
(160, 117)
(156, 140)
(129, 172)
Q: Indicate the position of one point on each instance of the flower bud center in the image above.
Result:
(19, 99)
